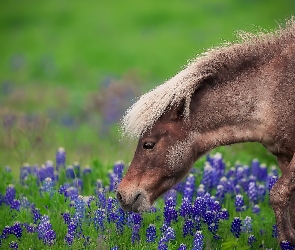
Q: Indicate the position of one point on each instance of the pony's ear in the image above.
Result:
(177, 111)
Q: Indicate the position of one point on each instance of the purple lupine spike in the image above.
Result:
(72, 229)
(49, 237)
(25, 170)
(231, 172)
(24, 202)
(113, 180)
(31, 228)
(120, 221)
(80, 208)
(239, 203)
(251, 239)
(236, 227)
(135, 233)
(102, 200)
(49, 169)
(261, 191)
(9, 194)
(240, 173)
(86, 170)
(188, 228)
(182, 247)
(17, 230)
(252, 192)
(42, 173)
(170, 198)
(36, 214)
(272, 180)
(237, 189)
(169, 234)
(186, 208)
(170, 214)
(112, 215)
(190, 186)
(244, 182)
(247, 225)
(256, 209)
(60, 158)
(200, 207)
(119, 169)
(201, 190)
(188, 193)
(99, 184)
(198, 241)
(44, 226)
(13, 245)
(247, 170)
(262, 175)
(223, 214)
(151, 233)
(66, 217)
(223, 181)
(6, 232)
(274, 170)
(220, 192)
(15, 204)
(70, 173)
(72, 193)
(99, 219)
(255, 166)
(47, 185)
(207, 176)
(274, 231)
(285, 245)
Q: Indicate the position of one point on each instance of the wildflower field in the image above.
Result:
(62, 206)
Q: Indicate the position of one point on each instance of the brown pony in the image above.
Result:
(235, 93)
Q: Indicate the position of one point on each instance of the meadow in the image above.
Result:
(62, 206)
(68, 72)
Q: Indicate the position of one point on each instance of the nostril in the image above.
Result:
(136, 197)
(119, 196)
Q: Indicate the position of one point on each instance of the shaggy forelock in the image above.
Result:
(220, 63)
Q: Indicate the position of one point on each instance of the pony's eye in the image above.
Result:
(148, 145)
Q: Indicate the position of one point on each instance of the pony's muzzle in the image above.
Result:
(134, 201)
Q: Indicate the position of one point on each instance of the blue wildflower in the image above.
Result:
(17, 230)
(251, 239)
(60, 158)
(239, 203)
(13, 245)
(236, 227)
(188, 228)
(151, 233)
(247, 225)
(198, 241)
(182, 247)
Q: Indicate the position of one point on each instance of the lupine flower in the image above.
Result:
(135, 233)
(36, 214)
(113, 180)
(256, 209)
(223, 214)
(272, 180)
(80, 208)
(207, 176)
(120, 221)
(247, 225)
(262, 175)
(49, 237)
(60, 158)
(99, 218)
(274, 231)
(24, 202)
(118, 170)
(220, 192)
(72, 193)
(151, 233)
(188, 228)
(285, 245)
(115, 248)
(200, 206)
(13, 245)
(198, 241)
(87, 170)
(239, 203)
(252, 192)
(6, 231)
(47, 185)
(15, 204)
(170, 214)
(70, 173)
(43, 227)
(251, 239)
(186, 208)
(31, 228)
(236, 227)
(182, 247)
(72, 229)
(17, 230)
(10, 194)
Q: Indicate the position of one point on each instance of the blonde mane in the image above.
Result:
(219, 63)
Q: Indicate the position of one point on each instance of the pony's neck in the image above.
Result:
(231, 112)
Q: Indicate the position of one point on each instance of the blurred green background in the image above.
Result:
(69, 69)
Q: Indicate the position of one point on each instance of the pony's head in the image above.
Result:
(162, 158)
